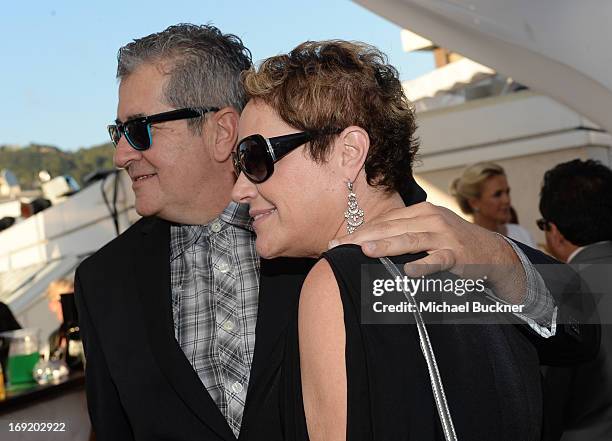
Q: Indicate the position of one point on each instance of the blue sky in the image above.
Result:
(57, 80)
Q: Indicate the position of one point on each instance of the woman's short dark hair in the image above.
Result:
(327, 86)
(577, 197)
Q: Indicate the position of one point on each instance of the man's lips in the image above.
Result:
(258, 214)
(137, 178)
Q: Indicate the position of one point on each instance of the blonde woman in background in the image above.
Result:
(483, 191)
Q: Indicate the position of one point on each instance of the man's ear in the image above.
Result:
(224, 129)
(556, 235)
(351, 151)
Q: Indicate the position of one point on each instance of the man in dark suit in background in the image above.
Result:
(576, 205)
(171, 309)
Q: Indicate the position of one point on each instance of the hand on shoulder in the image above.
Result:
(452, 243)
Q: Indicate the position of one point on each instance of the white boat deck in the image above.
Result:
(51, 243)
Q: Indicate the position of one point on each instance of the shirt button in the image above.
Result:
(215, 226)
(237, 387)
(223, 267)
(228, 325)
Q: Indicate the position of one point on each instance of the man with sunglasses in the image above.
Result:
(168, 309)
(171, 309)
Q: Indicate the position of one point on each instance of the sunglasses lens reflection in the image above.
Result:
(253, 157)
(113, 131)
(236, 163)
(138, 135)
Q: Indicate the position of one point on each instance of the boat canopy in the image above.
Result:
(559, 48)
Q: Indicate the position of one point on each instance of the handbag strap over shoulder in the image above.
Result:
(430, 359)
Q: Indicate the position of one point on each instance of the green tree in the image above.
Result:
(27, 161)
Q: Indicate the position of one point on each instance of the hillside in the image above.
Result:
(27, 161)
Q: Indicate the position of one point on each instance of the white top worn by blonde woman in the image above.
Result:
(520, 234)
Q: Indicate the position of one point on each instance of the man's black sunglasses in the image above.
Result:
(137, 130)
(543, 224)
(255, 155)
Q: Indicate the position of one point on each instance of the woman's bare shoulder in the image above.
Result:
(320, 297)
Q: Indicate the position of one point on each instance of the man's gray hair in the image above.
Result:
(204, 65)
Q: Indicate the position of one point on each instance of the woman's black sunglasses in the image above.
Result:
(255, 155)
(137, 130)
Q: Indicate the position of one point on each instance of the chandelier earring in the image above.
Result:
(354, 215)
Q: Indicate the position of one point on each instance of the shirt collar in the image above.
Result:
(576, 251)
(184, 236)
(237, 215)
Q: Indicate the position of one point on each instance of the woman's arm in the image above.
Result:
(322, 341)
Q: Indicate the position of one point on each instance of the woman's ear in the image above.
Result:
(351, 151)
(224, 133)
(474, 204)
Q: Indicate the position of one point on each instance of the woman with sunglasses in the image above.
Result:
(327, 142)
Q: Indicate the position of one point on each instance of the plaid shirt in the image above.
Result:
(215, 283)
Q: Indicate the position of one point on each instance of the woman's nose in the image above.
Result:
(244, 191)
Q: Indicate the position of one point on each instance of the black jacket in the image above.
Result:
(140, 385)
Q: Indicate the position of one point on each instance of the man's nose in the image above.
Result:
(244, 191)
(125, 154)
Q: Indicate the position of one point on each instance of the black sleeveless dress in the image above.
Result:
(490, 374)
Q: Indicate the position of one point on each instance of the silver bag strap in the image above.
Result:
(430, 358)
